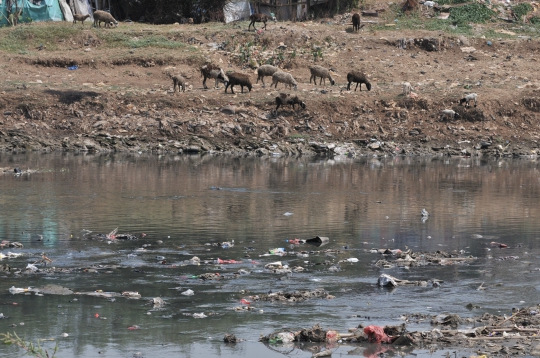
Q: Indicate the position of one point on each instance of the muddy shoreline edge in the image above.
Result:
(100, 123)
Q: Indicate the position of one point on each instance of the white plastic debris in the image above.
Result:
(14, 290)
(386, 281)
(188, 293)
(157, 301)
(199, 315)
(131, 294)
(286, 337)
(352, 259)
(32, 267)
(10, 255)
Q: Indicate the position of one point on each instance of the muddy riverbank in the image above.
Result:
(87, 121)
(116, 99)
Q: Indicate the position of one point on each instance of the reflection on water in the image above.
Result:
(188, 202)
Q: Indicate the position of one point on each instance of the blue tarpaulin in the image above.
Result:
(32, 10)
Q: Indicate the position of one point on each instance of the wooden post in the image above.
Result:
(292, 11)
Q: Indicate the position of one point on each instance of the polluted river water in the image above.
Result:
(231, 213)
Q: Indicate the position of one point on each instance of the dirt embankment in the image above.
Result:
(121, 100)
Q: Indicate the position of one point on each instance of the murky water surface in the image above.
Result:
(190, 202)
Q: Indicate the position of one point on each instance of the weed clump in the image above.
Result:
(475, 12)
(521, 10)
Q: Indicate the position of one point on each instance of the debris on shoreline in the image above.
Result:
(408, 258)
(296, 296)
(390, 281)
(490, 335)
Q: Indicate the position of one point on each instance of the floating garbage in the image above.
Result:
(210, 276)
(277, 251)
(295, 296)
(278, 267)
(220, 261)
(332, 336)
(7, 243)
(32, 268)
(131, 294)
(386, 281)
(10, 255)
(230, 338)
(376, 334)
(199, 315)
(157, 302)
(425, 215)
(285, 337)
(227, 244)
(188, 293)
(318, 241)
(14, 290)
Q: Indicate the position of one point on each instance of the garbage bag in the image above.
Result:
(386, 281)
(286, 337)
(376, 334)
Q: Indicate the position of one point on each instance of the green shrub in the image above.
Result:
(521, 10)
(475, 12)
(451, 2)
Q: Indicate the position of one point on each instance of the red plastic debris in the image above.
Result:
(293, 241)
(96, 315)
(220, 261)
(332, 336)
(134, 327)
(376, 334)
(245, 302)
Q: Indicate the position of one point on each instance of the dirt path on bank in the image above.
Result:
(119, 99)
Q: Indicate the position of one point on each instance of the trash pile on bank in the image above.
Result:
(490, 335)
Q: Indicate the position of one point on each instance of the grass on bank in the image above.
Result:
(31, 348)
(472, 20)
(55, 36)
(62, 36)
